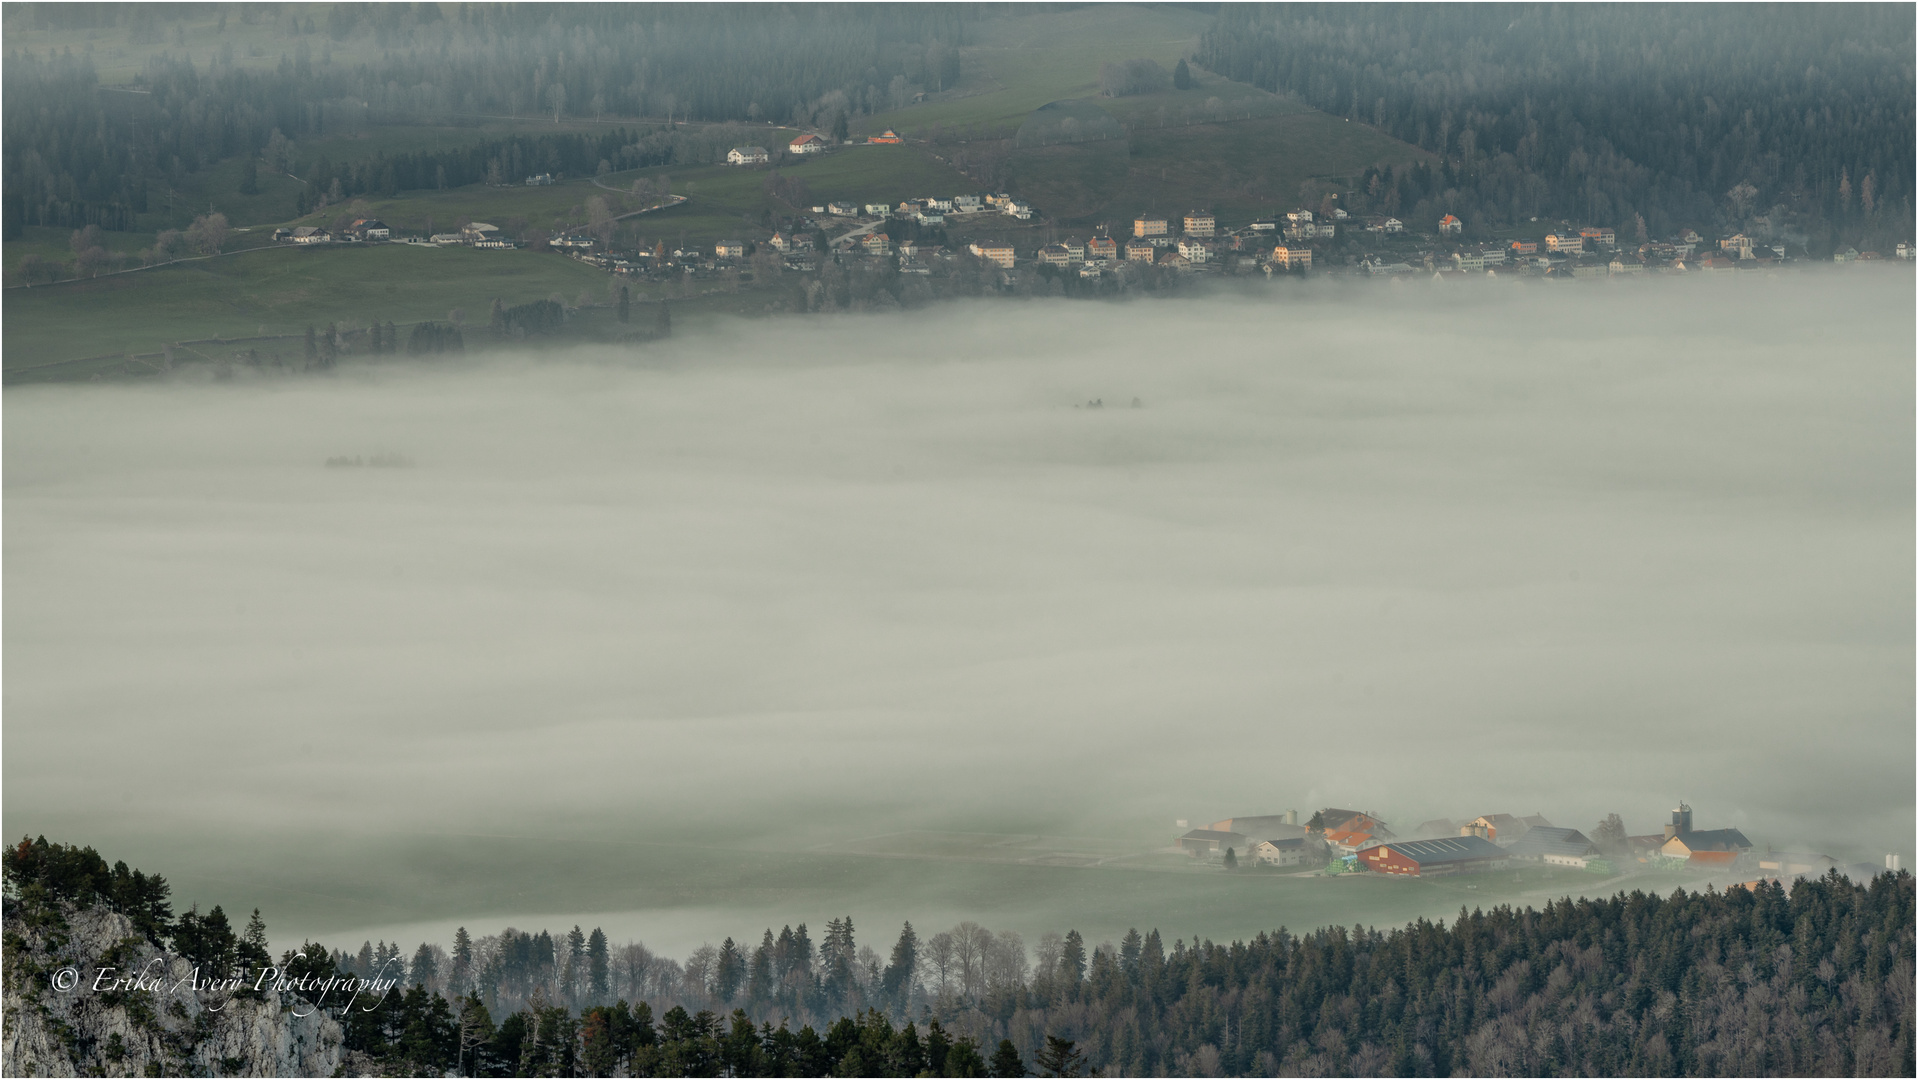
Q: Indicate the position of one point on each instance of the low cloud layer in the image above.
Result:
(793, 582)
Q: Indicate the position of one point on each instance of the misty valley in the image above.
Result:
(958, 540)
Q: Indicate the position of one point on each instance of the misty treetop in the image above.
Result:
(1751, 981)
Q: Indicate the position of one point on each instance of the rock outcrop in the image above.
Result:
(86, 995)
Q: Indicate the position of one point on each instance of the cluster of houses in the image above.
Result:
(804, 144)
(1344, 841)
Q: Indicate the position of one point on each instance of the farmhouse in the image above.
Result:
(478, 231)
(806, 144)
(1293, 852)
(370, 229)
(1433, 858)
(747, 155)
(307, 234)
(885, 137)
(1707, 847)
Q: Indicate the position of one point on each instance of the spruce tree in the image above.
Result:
(1006, 1061)
(1182, 76)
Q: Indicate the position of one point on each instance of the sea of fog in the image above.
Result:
(628, 617)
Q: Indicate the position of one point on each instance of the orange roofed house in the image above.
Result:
(887, 136)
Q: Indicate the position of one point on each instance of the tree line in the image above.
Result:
(1749, 981)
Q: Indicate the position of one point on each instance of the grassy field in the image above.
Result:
(277, 291)
(1241, 169)
(1021, 62)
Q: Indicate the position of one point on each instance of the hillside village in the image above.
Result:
(1015, 241)
(1337, 841)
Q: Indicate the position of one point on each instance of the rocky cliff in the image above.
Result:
(86, 995)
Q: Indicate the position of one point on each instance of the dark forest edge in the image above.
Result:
(1747, 982)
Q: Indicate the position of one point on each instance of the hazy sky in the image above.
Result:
(1416, 549)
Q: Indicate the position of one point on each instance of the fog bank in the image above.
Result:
(794, 582)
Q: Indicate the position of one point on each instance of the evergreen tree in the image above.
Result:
(1058, 1058)
(625, 303)
(598, 966)
(1181, 76)
(1072, 957)
(730, 971)
(896, 983)
(1006, 1061)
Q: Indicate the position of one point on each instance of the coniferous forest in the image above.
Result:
(1638, 117)
(1817, 980)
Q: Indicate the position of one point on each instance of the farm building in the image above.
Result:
(1433, 858)
(1707, 847)
(1206, 841)
(747, 155)
(1560, 847)
(806, 144)
(1294, 852)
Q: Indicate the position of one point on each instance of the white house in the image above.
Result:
(807, 144)
(965, 204)
(1195, 249)
(843, 209)
(1019, 209)
(1293, 852)
(747, 155)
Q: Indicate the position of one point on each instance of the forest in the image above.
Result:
(1759, 981)
(80, 153)
(1645, 118)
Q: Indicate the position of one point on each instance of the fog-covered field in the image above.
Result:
(675, 619)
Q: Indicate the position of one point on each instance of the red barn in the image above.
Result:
(1432, 858)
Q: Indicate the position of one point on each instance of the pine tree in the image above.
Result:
(1006, 1061)
(625, 303)
(1181, 76)
(598, 966)
(1058, 1058)
(897, 981)
(1072, 957)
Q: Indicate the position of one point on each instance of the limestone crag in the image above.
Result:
(62, 1018)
